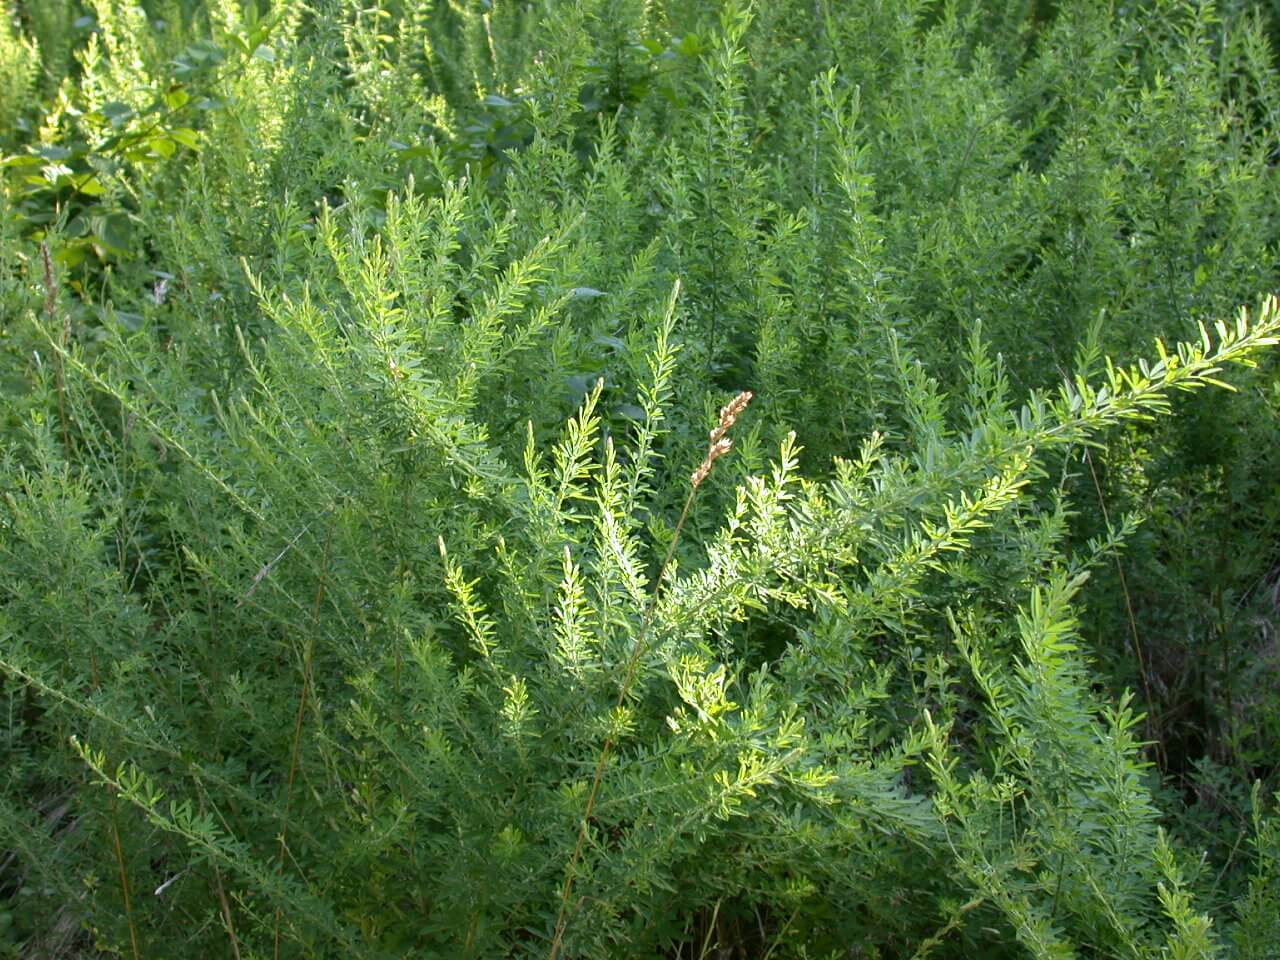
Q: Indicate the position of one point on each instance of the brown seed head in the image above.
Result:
(729, 414)
(720, 444)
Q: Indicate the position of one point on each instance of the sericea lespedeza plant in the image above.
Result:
(290, 299)
(719, 445)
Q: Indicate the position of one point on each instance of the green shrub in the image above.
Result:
(369, 585)
(19, 60)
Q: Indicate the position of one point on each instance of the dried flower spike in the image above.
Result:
(729, 414)
(720, 444)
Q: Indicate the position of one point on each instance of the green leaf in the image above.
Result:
(176, 97)
(186, 137)
(90, 185)
(690, 45)
(116, 113)
(48, 151)
(608, 341)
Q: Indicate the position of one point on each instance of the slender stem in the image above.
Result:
(296, 747)
(64, 342)
(606, 748)
(124, 879)
(711, 929)
(1153, 725)
(226, 913)
(927, 945)
(294, 751)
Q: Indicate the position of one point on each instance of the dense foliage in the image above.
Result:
(369, 586)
